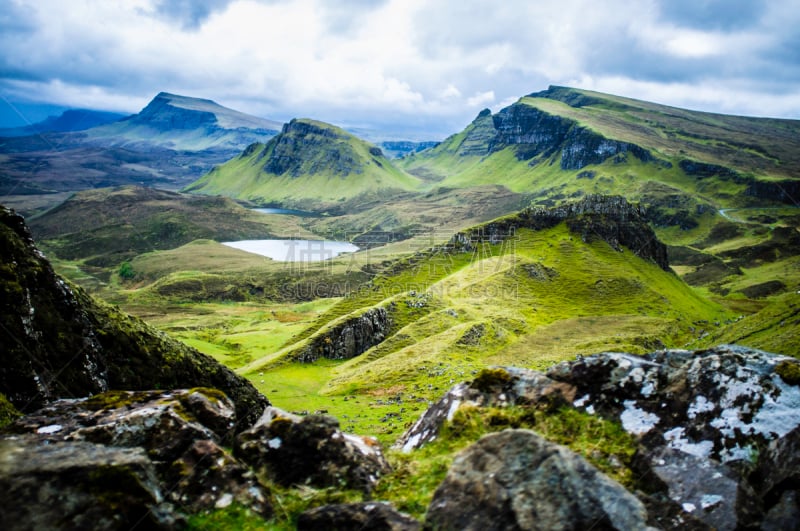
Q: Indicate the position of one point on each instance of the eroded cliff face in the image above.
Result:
(350, 338)
(58, 342)
(536, 136)
(609, 218)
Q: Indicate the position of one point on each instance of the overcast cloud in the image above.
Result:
(406, 65)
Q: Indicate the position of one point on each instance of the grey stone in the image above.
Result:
(517, 480)
(294, 450)
(79, 485)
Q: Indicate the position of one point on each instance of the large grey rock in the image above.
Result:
(56, 341)
(164, 423)
(517, 480)
(79, 485)
(294, 450)
(180, 432)
(368, 516)
(349, 338)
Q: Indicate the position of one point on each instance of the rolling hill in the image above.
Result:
(309, 165)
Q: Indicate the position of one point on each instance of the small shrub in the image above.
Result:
(126, 271)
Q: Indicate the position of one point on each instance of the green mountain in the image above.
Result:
(564, 141)
(309, 165)
(528, 289)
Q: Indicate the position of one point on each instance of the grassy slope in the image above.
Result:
(482, 309)
(314, 176)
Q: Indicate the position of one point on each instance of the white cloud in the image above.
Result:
(482, 98)
(395, 60)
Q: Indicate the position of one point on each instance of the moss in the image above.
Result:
(8, 413)
(113, 400)
(490, 379)
(789, 371)
(234, 516)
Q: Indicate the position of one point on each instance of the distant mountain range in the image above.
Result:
(68, 121)
(172, 141)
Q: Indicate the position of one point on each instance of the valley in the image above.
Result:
(568, 224)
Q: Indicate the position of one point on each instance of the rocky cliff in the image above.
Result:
(608, 218)
(59, 342)
(348, 339)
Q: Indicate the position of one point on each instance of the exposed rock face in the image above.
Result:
(58, 342)
(147, 455)
(312, 450)
(516, 480)
(537, 135)
(371, 516)
(79, 486)
(609, 218)
(719, 429)
(350, 338)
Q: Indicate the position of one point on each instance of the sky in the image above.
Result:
(415, 67)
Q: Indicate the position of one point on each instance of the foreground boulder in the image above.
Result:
(79, 486)
(311, 450)
(718, 429)
(517, 480)
(369, 516)
(155, 454)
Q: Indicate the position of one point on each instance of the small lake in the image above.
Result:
(294, 250)
(286, 212)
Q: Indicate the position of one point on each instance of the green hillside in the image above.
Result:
(564, 141)
(310, 165)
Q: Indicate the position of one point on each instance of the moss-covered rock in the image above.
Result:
(57, 341)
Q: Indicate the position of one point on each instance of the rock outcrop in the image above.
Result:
(517, 480)
(718, 429)
(537, 135)
(58, 342)
(609, 218)
(349, 338)
(122, 459)
(294, 450)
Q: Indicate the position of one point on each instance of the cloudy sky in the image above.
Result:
(425, 66)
